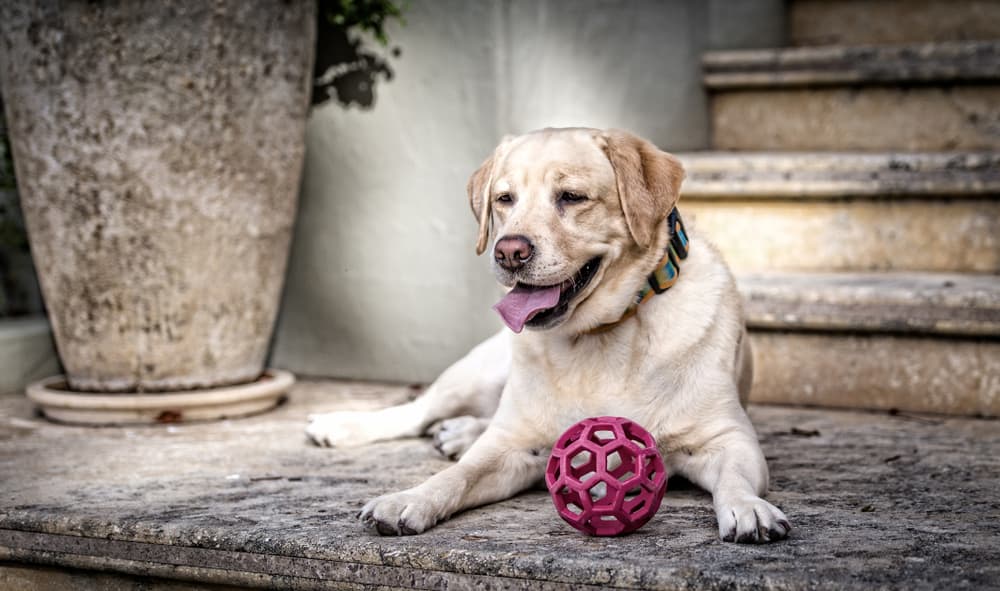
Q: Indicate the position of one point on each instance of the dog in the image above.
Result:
(581, 225)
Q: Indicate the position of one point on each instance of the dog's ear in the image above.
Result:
(649, 182)
(479, 199)
(479, 186)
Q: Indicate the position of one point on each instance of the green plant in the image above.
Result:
(370, 16)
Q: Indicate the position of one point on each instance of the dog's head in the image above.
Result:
(575, 222)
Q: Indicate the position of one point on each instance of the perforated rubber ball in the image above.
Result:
(606, 476)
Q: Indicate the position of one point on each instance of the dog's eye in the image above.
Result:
(504, 198)
(567, 197)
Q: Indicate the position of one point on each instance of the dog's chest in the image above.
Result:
(598, 377)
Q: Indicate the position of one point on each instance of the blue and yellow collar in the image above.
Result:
(664, 275)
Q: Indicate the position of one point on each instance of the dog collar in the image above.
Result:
(663, 276)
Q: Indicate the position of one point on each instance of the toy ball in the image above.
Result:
(606, 476)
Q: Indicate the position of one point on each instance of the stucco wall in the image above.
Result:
(383, 282)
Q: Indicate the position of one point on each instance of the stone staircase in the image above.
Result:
(856, 194)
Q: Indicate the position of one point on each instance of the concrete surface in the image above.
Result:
(948, 62)
(933, 235)
(876, 501)
(27, 352)
(592, 63)
(744, 24)
(383, 261)
(825, 175)
(922, 342)
(878, 371)
(16, 577)
(383, 281)
(847, 211)
(158, 148)
(923, 118)
(914, 303)
(862, 22)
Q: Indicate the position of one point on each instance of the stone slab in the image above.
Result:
(878, 372)
(847, 211)
(827, 175)
(832, 22)
(904, 118)
(914, 303)
(922, 63)
(950, 235)
(877, 501)
(17, 577)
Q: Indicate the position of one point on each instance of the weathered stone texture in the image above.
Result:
(880, 372)
(951, 62)
(861, 22)
(826, 175)
(952, 304)
(876, 501)
(30, 578)
(158, 148)
(939, 235)
(832, 211)
(868, 118)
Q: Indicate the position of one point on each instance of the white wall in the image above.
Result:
(383, 281)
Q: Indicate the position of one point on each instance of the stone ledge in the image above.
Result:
(876, 501)
(877, 371)
(912, 303)
(842, 118)
(826, 175)
(943, 63)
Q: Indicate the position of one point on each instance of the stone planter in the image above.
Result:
(158, 147)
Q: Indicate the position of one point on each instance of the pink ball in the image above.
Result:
(606, 476)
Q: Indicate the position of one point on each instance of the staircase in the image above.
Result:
(856, 194)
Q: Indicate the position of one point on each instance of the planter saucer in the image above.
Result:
(60, 404)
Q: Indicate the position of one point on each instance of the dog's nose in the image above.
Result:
(511, 252)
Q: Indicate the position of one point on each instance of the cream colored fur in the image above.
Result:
(680, 367)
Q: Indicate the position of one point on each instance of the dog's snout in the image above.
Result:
(511, 252)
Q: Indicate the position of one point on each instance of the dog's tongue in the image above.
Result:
(523, 302)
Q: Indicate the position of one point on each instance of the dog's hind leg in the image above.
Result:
(469, 387)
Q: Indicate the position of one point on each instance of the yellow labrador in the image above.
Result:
(577, 221)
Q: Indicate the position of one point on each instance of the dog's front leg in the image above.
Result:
(498, 466)
(732, 467)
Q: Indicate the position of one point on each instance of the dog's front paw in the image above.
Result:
(750, 519)
(342, 429)
(453, 437)
(400, 514)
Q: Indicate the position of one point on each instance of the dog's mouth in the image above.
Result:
(539, 306)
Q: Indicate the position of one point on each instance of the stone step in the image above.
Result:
(932, 97)
(249, 503)
(909, 342)
(930, 304)
(948, 62)
(855, 22)
(847, 211)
